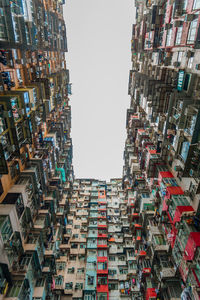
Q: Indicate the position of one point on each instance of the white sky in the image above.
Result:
(99, 60)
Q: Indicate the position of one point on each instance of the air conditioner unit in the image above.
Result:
(178, 168)
(18, 61)
(190, 17)
(168, 202)
(161, 11)
(168, 26)
(178, 23)
(189, 54)
(197, 67)
(187, 193)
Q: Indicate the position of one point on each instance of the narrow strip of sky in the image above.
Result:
(99, 59)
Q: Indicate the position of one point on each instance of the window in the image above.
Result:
(192, 32)
(80, 270)
(102, 242)
(112, 272)
(3, 122)
(90, 280)
(122, 258)
(72, 257)
(178, 35)
(145, 195)
(131, 253)
(102, 252)
(101, 296)
(27, 101)
(133, 266)
(70, 271)
(190, 62)
(196, 4)
(169, 36)
(159, 239)
(3, 166)
(179, 56)
(77, 226)
(60, 265)
(3, 32)
(15, 289)
(79, 286)
(14, 170)
(186, 82)
(59, 280)
(161, 36)
(75, 236)
(190, 124)
(69, 285)
(5, 227)
(112, 258)
(102, 265)
(102, 280)
(184, 150)
(113, 286)
(89, 297)
(123, 271)
(40, 282)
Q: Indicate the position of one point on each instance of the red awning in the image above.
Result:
(142, 253)
(135, 215)
(138, 226)
(111, 240)
(166, 174)
(174, 190)
(152, 151)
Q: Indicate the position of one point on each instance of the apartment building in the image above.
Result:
(135, 237)
(36, 171)
(98, 244)
(161, 156)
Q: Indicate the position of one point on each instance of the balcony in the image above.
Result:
(102, 224)
(172, 290)
(13, 247)
(179, 206)
(93, 215)
(102, 243)
(132, 268)
(23, 266)
(91, 243)
(159, 243)
(164, 269)
(5, 228)
(102, 283)
(15, 199)
(102, 266)
(193, 239)
(34, 243)
(40, 289)
(29, 178)
(19, 290)
(40, 223)
(124, 287)
(102, 234)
